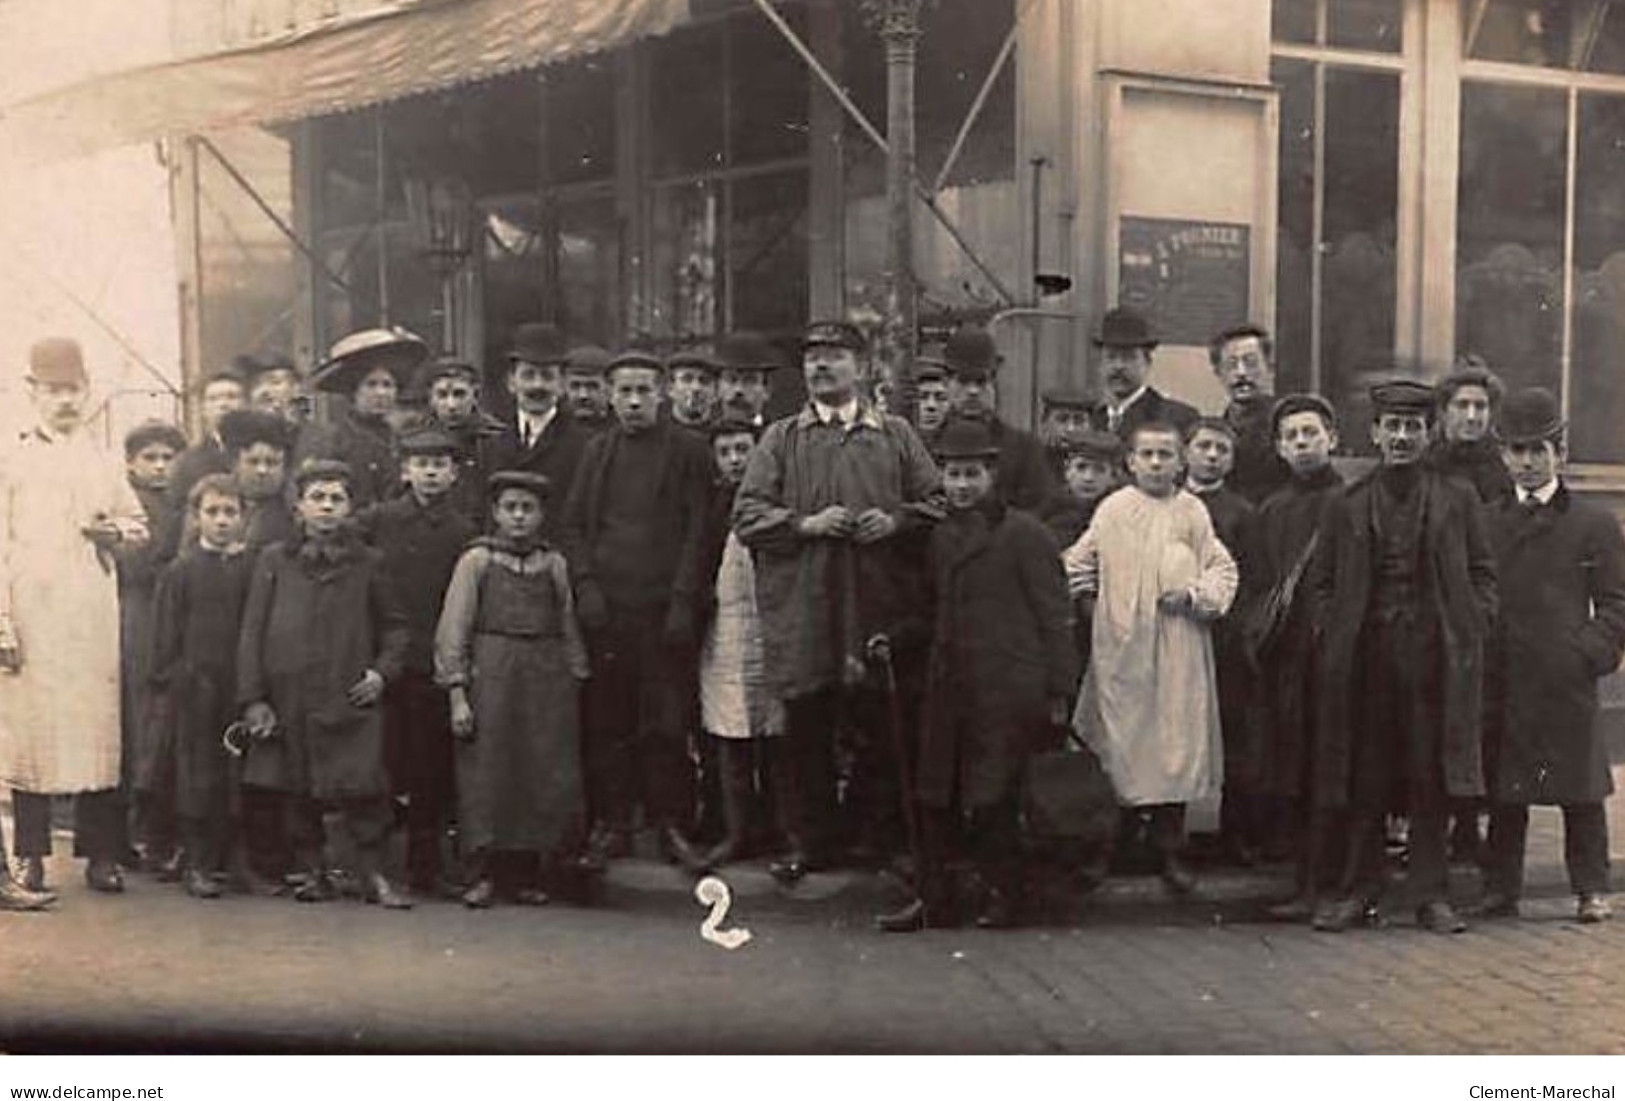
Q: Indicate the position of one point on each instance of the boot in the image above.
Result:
(381, 892)
(104, 875)
(678, 849)
(200, 885)
(17, 896)
(733, 776)
(33, 874)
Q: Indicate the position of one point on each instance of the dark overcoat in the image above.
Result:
(145, 732)
(206, 457)
(1001, 650)
(1235, 523)
(1259, 469)
(1477, 463)
(556, 456)
(420, 545)
(1286, 670)
(311, 629)
(367, 446)
(196, 629)
(1152, 405)
(1458, 587)
(1562, 625)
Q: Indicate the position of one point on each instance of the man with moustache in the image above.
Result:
(744, 381)
(542, 438)
(586, 393)
(1022, 475)
(692, 387)
(1243, 359)
(1126, 343)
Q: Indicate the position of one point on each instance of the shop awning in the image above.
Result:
(393, 49)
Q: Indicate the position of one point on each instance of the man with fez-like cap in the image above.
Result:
(973, 362)
(831, 505)
(67, 515)
(1404, 593)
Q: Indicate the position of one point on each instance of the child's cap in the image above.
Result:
(427, 439)
(1093, 443)
(735, 425)
(1301, 403)
(1211, 424)
(527, 480)
(150, 432)
(312, 471)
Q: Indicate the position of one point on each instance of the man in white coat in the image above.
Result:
(66, 511)
(1159, 576)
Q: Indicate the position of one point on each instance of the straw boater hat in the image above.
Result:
(395, 349)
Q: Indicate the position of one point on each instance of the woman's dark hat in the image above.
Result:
(1529, 416)
(527, 480)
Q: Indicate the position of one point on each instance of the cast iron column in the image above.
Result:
(900, 30)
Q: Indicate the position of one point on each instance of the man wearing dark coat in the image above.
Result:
(633, 528)
(586, 392)
(220, 393)
(1243, 359)
(831, 502)
(1001, 669)
(1126, 343)
(420, 536)
(1405, 594)
(369, 368)
(542, 437)
(1288, 531)
(972, 360)
(1561, 627)
(323, 635)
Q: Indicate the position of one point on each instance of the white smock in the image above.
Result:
(735, 701)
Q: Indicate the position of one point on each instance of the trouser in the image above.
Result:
(635, 739)
(1323, 852)
(418, 753)
(1585, 847)
(988, 838)
(1427, 870)
(261, 829)
(155, 824)
(810, 774)
(206, 829)
(98, 824)
(368, 819)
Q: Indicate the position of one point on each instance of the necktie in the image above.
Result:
(1114, 418)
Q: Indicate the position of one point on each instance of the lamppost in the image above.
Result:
(440, 211)
(899, 24)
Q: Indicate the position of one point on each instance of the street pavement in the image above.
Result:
(1127, 970)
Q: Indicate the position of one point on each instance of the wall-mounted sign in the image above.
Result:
(1191, 279)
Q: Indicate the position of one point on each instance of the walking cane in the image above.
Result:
(878, 651)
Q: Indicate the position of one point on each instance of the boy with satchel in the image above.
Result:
(1001, 668)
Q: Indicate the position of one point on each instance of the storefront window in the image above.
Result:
(1584, 35)
(1597, 374)
(1337, 205)
(1375, 25)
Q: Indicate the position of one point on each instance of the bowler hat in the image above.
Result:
(312, 471)
(971, 355)
(1124, 328)
(527, 480)
(1401, 395)
(841, 334)
(241, 429)
(57, 361)
(966, 439)
(148, 433)
(538, 342)
(746, 352)
(352, 358)
(1301, 403)
(1529, 416)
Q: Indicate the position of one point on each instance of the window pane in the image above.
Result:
(1527, 32)
(1295, 210)
(686, 102)
(1357, 246)
(589, 269)
(1509, 241)
(1366, 24)
(687, 283)
(580, 99)
(1293, 21)
(347, 150)
(767, 252)
(1597, 374)
(768, 99)
(1602, 50)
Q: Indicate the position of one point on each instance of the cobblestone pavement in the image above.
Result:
(154, 970)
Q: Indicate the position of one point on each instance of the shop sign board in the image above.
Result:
(1189, 278)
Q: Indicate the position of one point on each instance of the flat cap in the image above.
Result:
(527, 480)
(312, 471)
(1402, 395)
(1301, 403)
(841, 334)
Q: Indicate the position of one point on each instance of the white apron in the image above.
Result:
(735, 701)
(1158, 732)
(59, 716)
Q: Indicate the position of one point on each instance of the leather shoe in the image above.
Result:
(104, 876)
(172, 868)
(1295, 909)
(1497, 905)
(999, 912)
(317, 887)
(790, 868)
(379, 891)
(199, 885)
(1336, 916)
(15, 896)
(1593, 910)
(480, 896)
(910, 918)
(31, 873)
(531, 896)
(1440, 917)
